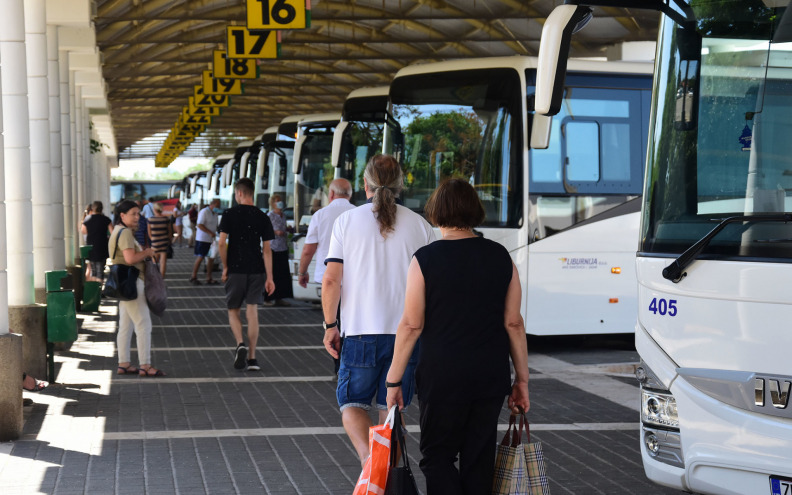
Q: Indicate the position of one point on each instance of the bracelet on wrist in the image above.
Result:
(393, 385)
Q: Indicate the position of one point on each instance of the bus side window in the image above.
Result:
(581, 151)
(594, 145)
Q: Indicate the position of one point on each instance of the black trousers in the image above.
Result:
(281, 276)
(468, 430)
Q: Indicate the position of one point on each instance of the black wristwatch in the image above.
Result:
(329, 325)
(393, 385)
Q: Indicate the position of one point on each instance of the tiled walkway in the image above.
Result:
(207, 428)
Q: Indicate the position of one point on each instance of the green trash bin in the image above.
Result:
(61, 311)
(92, 294)
(61, 314)
(53, 280)
(91, 291)
(85, 251)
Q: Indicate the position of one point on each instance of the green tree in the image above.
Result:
(442, 145)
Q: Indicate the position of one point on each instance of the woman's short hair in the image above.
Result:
(157, 208)
(454, 203)
(123, 207)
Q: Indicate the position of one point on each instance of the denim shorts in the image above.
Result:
(365, 361)
(202, 248)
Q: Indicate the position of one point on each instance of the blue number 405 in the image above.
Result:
(663, 307)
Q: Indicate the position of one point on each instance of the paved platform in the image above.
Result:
(207, 428)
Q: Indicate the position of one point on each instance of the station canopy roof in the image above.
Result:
(154, 52)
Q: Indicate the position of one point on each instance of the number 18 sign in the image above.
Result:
(278, 14)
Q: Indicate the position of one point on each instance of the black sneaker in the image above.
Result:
(240, 357)
(252, 365)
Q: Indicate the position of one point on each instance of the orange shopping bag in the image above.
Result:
(374, 476)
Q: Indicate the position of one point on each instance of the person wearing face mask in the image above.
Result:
(205, 234)
(280, 255)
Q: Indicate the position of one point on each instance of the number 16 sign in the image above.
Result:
(277, 14)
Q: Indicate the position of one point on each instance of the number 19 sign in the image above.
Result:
(277, 14)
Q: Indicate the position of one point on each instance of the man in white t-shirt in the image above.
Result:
(148, 209)
(317, 241)
(370, 251)
(206, 228)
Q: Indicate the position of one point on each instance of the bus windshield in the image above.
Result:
(463, 124)
(361, 141)
(719, 144)
(316, 173)
(137, 191)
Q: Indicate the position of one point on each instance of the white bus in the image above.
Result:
(357, 136)
(360, 135)
(274, 169)
(260, 171)
(313, 172)
(715, 243)
(568, 214)
(216, 178)
(313, 168)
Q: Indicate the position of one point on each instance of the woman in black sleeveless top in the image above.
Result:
(463, 301)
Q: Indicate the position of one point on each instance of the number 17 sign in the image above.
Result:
(278, 14)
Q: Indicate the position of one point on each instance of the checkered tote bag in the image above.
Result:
(519, 467)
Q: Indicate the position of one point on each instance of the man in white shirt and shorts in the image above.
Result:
(204, 236)
(317, 241)
(370, 251)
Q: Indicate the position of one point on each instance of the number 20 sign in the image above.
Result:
(277, 14)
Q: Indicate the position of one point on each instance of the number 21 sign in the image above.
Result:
(278, 14)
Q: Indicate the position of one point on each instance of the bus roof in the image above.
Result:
(523, 63)
(137, 181)
(271, 134)
(366, 104)
(288, 126)
(316, 118)
(368, 92)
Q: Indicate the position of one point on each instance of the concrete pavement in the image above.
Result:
(207, 428)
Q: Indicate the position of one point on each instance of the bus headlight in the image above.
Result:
(659, 409)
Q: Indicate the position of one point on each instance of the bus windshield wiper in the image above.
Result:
(676, 270)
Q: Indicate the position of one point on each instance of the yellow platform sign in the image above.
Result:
(277, 14)
(244, 43)
(203, 100)
(213, 86)
(224, 67)
(192, 109)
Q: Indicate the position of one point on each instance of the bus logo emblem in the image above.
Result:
(779, 394)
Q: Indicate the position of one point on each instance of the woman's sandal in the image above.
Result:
(148, 372)
(129, 370)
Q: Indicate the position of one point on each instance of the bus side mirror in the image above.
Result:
(260, 161)
(227, 173)
(338, 140)
(284, 164)
(243, 165)
(193, 182)
(297, 152)
(561, 24)
(540, 131)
